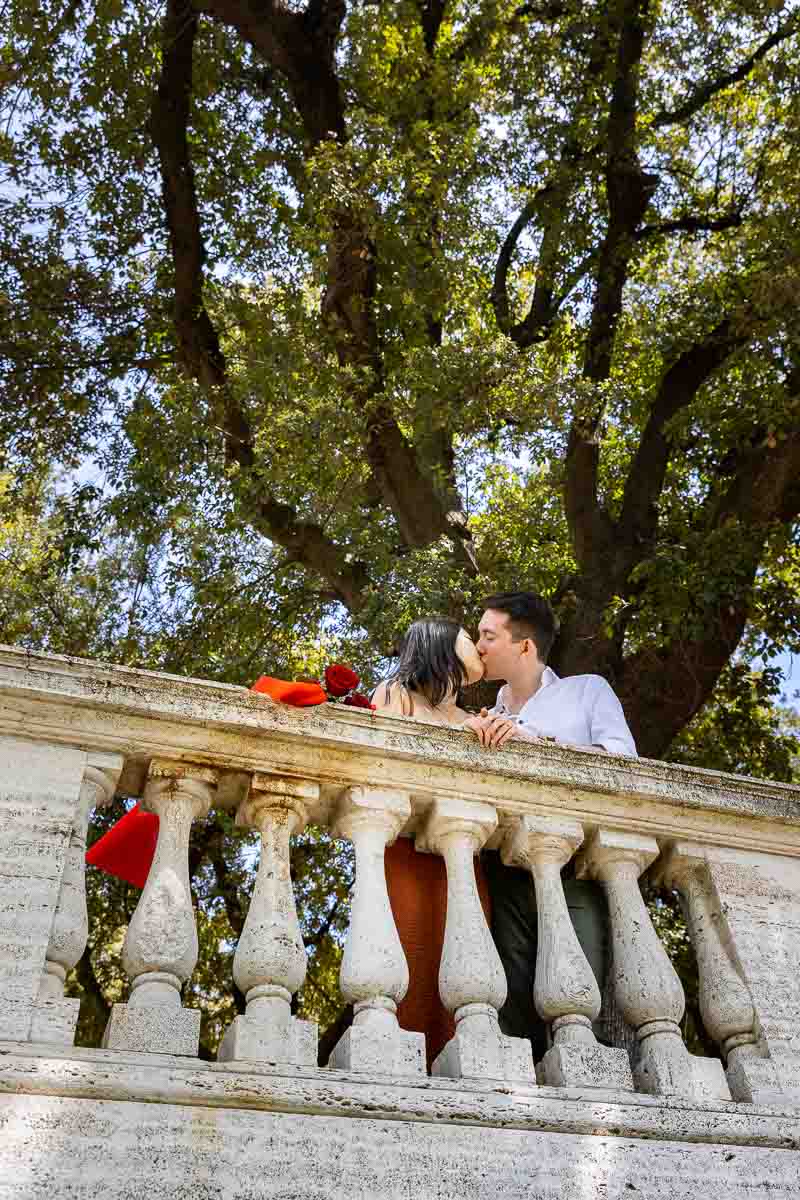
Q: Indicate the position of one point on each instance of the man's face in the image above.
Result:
(500, 653)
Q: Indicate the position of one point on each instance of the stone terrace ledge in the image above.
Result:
(144, 1114)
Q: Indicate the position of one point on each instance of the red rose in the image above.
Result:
(340, 680)
(359, 700)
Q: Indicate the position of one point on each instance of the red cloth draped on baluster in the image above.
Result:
(127, 849)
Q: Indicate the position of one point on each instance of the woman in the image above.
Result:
(436, 659)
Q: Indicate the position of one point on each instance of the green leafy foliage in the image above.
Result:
(669, 922)
(745, 728)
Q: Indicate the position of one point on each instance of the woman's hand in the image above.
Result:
(491, 731)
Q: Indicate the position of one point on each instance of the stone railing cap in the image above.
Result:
(146, 714)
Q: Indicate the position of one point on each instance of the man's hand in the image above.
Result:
(491, 731)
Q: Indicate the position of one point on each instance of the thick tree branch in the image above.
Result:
(549, 208)
(95, 1008)
(431, 15)
(690, 224)
(628, 189)
(199, 350)
(329, 1038)
(421, 514)
(301, 46)
(679, 385)
(395, 463)
(499, 293)
(322, 931)
(662, 690)
(588, 643)
(766, 486)
(703, 92)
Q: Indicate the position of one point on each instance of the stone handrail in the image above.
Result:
(73, 732)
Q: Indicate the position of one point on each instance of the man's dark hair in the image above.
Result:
(529, 616)
(428, 662)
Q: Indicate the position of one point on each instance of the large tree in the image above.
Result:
(369, 308)
(314, 317)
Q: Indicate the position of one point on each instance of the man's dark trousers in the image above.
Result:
(515, 933)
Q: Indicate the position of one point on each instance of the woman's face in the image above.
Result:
(468, 654)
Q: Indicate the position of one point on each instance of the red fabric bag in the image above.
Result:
(301, 695)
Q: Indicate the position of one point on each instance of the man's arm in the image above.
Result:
(608, 726)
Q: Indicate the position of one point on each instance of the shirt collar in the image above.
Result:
(549, 677)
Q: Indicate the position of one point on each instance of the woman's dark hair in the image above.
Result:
(428, 662)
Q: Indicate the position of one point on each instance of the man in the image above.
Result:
(516, 634)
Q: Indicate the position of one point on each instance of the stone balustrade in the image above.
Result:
(73, 733)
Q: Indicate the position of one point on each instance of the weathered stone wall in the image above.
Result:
(124, 1126)
(759, 896)
(73, 1149)
(39, 790)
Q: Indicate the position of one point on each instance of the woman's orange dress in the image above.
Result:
(417, 886)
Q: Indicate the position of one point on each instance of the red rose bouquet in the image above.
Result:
(340, 680)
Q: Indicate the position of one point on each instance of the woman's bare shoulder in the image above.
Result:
(392, 702)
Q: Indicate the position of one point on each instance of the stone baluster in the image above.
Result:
(161, 947)
(472, 981)
(270, 961)
(566, 993)
(55, 1015)
(648, 990)
(374, 974)
(726, 1005)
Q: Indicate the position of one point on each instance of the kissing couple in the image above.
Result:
(437, 658)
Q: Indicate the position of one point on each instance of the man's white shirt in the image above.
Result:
(580, 709)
